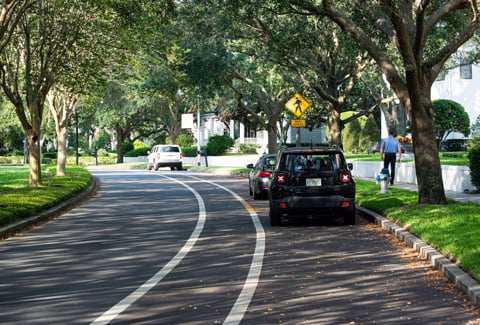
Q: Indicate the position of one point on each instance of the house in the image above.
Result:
(461, 84)
(242, 134)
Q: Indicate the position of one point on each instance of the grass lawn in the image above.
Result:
(19, 201)
(452, 229)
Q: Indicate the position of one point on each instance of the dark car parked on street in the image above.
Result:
(313, 183)
(259, 176)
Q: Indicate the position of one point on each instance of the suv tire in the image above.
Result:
(350, 219)
(275, 218)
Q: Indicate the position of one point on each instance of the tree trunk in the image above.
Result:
(120, 140)
(174, 130)
(272, 138)
(335, 128)
(61, 151)
(427, 160)
(34, 157)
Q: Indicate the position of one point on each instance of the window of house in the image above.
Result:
(465, 68)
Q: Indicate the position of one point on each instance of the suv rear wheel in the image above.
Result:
(275, 218)
(350, 219)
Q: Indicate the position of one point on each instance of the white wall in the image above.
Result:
(455, 178)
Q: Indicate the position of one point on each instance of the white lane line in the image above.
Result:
(126, 302)
(243, 300)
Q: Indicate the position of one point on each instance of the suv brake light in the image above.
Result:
(281, 178)
(158, 155)
(263, 173)
(345, 177)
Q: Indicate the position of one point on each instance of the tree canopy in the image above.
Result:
(450, 116)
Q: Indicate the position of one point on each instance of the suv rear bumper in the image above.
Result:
(316, 207)
(169, 164)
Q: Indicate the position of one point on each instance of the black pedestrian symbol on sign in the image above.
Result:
(298, 105)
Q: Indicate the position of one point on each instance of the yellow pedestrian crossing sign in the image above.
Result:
(297, 105)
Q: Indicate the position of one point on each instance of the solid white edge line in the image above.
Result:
(243, 300)
(126, 302)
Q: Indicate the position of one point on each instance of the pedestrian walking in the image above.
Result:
(388, 153)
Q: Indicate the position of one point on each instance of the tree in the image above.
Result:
(329, 63)
(254, 97)
(85, 68)
(166, 89)
(225, 61)
(370, 133)
(410, 42)
(123, 110)
(450, 116)
(352, 136)
(36, 52)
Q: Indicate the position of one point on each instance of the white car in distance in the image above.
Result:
(165, 155)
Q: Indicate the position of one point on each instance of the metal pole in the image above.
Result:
(95, 146)
(199, 123)
(76, 139)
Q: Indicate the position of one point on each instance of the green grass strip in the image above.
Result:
(19, 201)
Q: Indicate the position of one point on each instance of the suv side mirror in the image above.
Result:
(350, 166)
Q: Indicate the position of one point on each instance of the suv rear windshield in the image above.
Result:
(169, 149)
(311, 162)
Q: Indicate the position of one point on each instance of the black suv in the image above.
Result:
(313, 182)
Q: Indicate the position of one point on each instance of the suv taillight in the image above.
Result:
(345, 177)
(158, 155)
(181, 156)
(263, 173)
(281, 178)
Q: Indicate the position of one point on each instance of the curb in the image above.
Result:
(461, 279)
(49, 214)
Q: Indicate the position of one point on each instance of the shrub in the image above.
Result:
(50, 155)
(139, 144)
(248, 148)
(218, 144)
(369, 134)
(454, 154)
(128, 146)
(474, 157)
(189, 151)
(351, 136)
(185, 140)
(102, 153)
(142, 151)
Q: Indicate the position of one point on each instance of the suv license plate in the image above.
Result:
(314, 182)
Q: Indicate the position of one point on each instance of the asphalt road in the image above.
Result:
(191, 248)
